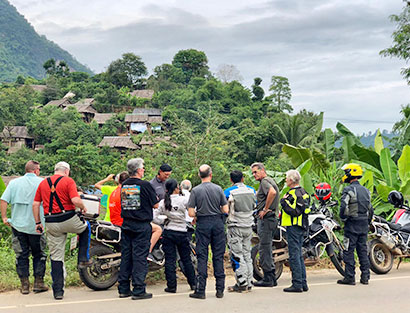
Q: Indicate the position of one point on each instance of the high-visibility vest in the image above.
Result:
(297, 200)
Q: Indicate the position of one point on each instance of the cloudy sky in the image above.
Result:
(329, 49)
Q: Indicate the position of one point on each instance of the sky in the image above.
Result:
(328, 49)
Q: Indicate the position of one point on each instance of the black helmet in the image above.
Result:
(395, 198)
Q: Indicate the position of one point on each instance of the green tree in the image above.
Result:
(192, 62)
(281, 94)
(127, 71)
(166, 77)
(257, 90)
(401, 39)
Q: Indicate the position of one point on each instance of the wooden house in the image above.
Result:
(16, 137)
(121, 143)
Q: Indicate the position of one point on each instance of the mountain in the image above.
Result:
(23, 51)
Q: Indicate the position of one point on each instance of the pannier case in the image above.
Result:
(92, 204)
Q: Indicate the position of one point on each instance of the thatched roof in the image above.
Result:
(83, 107)
(155, 119)
(136, 118)
(69, 95)
(15, 132)
(145, 94)
(38, 88)
(124, 142)
(101, 118)
(60, 103)
(150, 111)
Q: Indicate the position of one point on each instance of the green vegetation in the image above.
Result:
(23, 51)
(219, 122)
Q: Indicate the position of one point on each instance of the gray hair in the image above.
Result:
(294, 176)
(61, 166)
(133, 165)
(186, 185)
(260, 166)
(205, 171)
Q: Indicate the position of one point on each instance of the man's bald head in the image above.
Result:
(205, 171)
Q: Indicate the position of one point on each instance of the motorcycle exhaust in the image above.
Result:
(388, 243)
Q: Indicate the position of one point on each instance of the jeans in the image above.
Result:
(173, 241)
(134, 252)
(210, 230)
(297, 265)
(25, 244)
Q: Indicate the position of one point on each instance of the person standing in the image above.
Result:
(158, 182)
(25, 240)
(174, 207)
(356, 211)
(210, 203)
(115, 200)
(59, 196)
(242, 202)
(295, 207)
(106, 190)
(138, 198)
(267, 198)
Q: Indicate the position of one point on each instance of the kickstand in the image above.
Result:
(398, 264)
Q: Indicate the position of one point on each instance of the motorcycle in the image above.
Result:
(105, 253)
(388, 240)
(320, 238)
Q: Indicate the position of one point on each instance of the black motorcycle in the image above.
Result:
(319, 238)
(105, 252)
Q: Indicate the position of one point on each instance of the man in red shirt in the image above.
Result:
(59, 196)
(115, 200)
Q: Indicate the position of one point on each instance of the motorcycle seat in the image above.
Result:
(394, 226)
(406, 228)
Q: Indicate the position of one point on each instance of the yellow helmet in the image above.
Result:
(352, 170)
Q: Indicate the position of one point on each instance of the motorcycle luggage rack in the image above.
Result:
(104, 227)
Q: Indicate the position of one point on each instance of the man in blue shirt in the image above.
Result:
(20, 194)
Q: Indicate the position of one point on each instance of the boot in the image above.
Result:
(269, 280)
(39, 285)
(25, 286)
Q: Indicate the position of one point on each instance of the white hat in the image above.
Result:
(62, 164)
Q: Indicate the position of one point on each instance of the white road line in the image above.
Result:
(165, 295)
(8, 307)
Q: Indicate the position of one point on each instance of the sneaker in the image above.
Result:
(197, 295)
(237, 288)
(151, 258)
(59, 295)
(264, 283)
(345, 281)
(142, 296)
(219, 294)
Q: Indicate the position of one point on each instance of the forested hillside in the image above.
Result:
(23, 51)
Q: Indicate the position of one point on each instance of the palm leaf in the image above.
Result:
(368, 156)
(389, 168)
(378, 142)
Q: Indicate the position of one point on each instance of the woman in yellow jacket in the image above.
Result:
(295, 207)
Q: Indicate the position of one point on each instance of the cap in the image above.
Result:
(165, 168)
(62, 164)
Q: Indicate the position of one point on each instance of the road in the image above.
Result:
(385, 293)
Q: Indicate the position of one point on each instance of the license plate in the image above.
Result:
(73, 243)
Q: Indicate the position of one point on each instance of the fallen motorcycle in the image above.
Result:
(388, 240)
(320, 238)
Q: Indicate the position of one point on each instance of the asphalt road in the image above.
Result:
(385, 293)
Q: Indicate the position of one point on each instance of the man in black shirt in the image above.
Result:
(137, 200)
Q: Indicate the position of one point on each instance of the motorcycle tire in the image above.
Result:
(380, 257)
(93, 276)
(337, 258)
(257, 270)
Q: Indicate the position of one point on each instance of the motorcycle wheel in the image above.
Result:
(380, 257)
(257, 270)
(337, 258)
(194, 260)
(94, 276)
